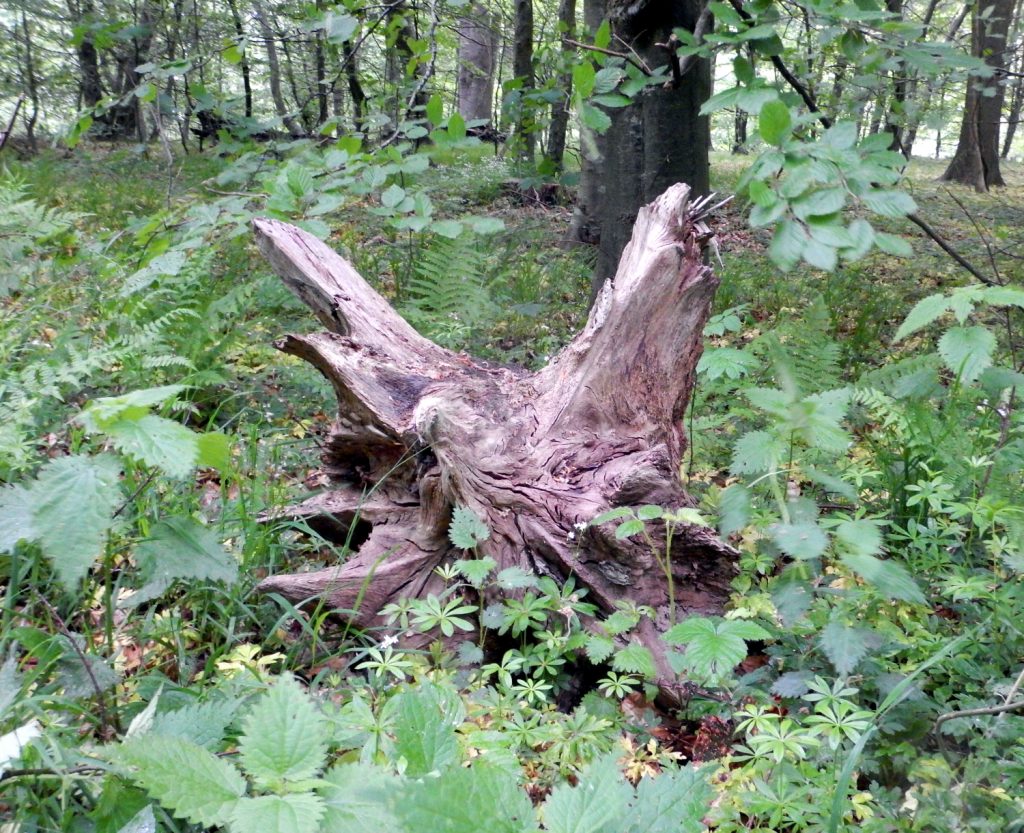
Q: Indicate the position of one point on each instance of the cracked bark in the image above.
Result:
(421, 430)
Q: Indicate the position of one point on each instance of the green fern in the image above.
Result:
(448, 298)
(803, 353)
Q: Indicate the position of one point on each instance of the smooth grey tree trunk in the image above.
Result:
(976, 161)
(478, 49)
(274, 70)
(659, 140)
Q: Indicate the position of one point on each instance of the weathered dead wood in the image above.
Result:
(421, 430)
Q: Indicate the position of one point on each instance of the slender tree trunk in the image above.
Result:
(1016, 106)
(423, 431)
(895, 119)
(976, 161)
(274, 70)
(522, 67)
(90, 82)
(478, 44)
(355, 87)
(243, 65)
(658, 140)
(560, 110)
(31, 85)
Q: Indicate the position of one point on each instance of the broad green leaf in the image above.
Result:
(820, 202)
(925, 311)
(859, 537)
(79, 671)
(594, 118)
(16, 515)
(675, 802)
(180, 548)
(889, 578)
(788, 243)
(471, 799)
(733, 509)
(844, 646)
(284, 736)
(447, 228)
(214, 450)
(192, 782)
(597, 804)
(291, 813)
(142, 822)
(802, 540)
(893, 244)
(476, 570)
(1004, 296)
(599, 648)
(435, 110)
(820, 255)
(583, 76)
(392, 196)
(627, 529)
(888, 203)
(635, 659)
(75, 498)
(467, 530)
(360, 798)
(967, 351)
(774, 122)
(155, 441)
(424, 729)
(456, 127)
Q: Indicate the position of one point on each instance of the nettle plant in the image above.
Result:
(407, 759)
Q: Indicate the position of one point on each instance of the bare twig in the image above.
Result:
(10, 125)
(633, 58)
(1016, 705)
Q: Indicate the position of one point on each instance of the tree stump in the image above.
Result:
(422, 430)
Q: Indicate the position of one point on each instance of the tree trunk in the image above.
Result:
(658, 140)
(31, 85)
(478, 44)
(522, 68)
(274, 71)
(422, 430)
(976, 161)
(560, 110)
(243, 65)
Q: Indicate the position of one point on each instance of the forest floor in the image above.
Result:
(214, 326)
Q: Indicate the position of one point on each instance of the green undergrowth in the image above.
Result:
(855, 435)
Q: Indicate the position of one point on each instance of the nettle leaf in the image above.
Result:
(284, 736)
(292, 813)
(515, 578)
(424, 729)
(142, 822)
(597, 804)
(81, 673)
(16, 517)
(466, 800)
(733, 508)
(599, 648)
(757, 452)
(133, 405)
(792, 684)
(200, 723)
(890, 579)
(155, 441)
(725, 361)
(467, 529)
(804, 540)
(476, 570)
(860, 537)
(925, 311)
(844, 646)
(359, 798)
(180, 548)
(967, 351)
(75, 498)
(675, 802)
(635, 659)
(192, 782)
(714, 646)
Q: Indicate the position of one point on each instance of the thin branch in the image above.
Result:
(1005, 707)
(634, 59)
(940, 241)
(10, 125)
